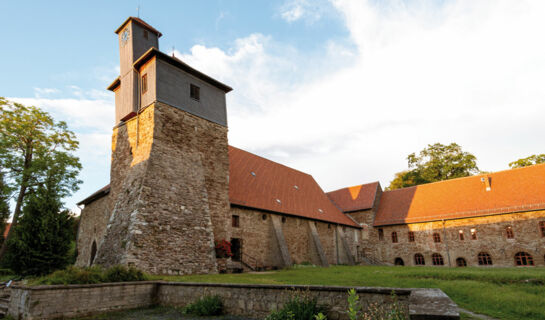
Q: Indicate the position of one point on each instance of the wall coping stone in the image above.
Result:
(379, 290)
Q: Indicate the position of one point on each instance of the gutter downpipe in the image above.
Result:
(446, 243)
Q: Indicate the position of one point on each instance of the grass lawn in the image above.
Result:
(505, 293)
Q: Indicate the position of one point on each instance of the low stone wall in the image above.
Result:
(50, 302)
(59, 301)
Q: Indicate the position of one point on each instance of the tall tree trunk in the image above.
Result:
(16, 214)
(20, 198)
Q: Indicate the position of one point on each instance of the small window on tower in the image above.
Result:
(144, 83)
(235, 221)
(195, 92)
(380, 234)
(146, 34)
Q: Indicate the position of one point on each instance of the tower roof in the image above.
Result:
(141, 23)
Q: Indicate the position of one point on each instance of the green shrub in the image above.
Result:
(205, 306)
(90, 275)
(121, 273)
(299, 307)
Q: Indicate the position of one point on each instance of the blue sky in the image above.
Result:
(340, 89)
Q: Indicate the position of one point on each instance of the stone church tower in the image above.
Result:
(169, 191)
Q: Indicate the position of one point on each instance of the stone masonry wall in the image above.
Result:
(259, 242)
(256, 301)
(92, 227)
(491, 238)
(169, 193)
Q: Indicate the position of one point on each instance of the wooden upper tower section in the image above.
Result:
(135, 38)
(148, 75)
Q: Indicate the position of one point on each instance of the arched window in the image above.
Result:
(437, 259)
(93, 253)
(436, 237)
(411, 236)
(542, 228)
(484, 259)
(419, 260)
(509, 232)
(524, 259)
(399, 262)
(461, 262)
(394, 237)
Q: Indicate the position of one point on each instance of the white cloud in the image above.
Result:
(41, 92)
(294, 10)
(416, 73)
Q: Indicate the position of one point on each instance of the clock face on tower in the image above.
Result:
(125, 36)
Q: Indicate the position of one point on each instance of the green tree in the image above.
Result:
(437, 162)
(528, 161)
(43, 236)
(34, 147)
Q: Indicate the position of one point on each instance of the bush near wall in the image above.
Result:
(91, 275)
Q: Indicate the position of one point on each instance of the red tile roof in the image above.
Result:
(355, 198)
(256, 182)
(512, 190)
(274, 187)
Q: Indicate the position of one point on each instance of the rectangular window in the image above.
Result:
(195, 92)
(394, 237)
(380, 234)
(411, 236)
(146, 34)
(473, 234)
(461, 235)
(144, 83)
(235, 220)
(542, 228)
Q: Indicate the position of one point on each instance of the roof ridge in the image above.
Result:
(278, 163)
(472, 176)
(363, 184)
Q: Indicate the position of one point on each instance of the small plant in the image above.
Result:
(320, 316)
(374, 311)
(299, 307)
(354, 307)
(205, 306)
(223, 249)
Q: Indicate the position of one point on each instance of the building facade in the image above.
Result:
(177, 189)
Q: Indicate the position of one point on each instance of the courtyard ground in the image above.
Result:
(503, 293)
(159, 313)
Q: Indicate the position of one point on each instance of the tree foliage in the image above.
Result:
(33, 148)
(528, 161)
(436, 162)
(43, 236)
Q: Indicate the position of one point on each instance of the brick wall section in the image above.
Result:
(92, 227)
(169, 193)
(491, 238)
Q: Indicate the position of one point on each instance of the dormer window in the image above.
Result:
(194, 92)
(144, 83)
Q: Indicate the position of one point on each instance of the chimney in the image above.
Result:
(486, 181)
